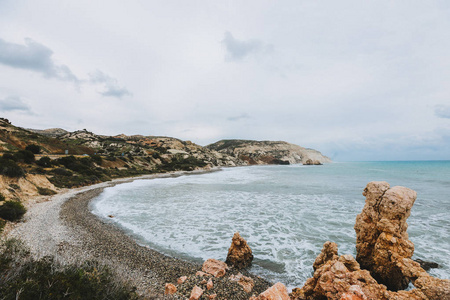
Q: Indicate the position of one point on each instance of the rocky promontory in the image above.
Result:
(269, 152)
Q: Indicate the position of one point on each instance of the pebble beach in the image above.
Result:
(63, 226)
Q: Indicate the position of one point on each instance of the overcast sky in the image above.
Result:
(357, 80)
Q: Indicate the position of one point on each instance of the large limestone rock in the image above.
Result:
(276, 292)
(383, 248)
(215, 267)
(239, 254)
(381, 232)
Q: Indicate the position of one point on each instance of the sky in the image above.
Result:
(356, 80)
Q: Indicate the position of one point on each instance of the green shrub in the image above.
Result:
(2, 198)
(44, 162)
(62, 172)
(36, 149)
(10, 168)
(97, 159)
(45, 191)
(9, 156)
(12, 210)
(25, 156)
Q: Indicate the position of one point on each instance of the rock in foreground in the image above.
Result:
(239, 255)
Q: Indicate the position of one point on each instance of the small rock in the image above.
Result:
(110, 216)
(215, 267)
(213, 296)
(170, 289)
(246, 282)
(196, 293)
(426, 265)
(203, 281)
(210, 284)
(182, 279)
(239, 254)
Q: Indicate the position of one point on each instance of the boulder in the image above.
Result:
(215, 267)
(209, 284)
(239, 254)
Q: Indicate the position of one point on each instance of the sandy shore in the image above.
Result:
(65, 228)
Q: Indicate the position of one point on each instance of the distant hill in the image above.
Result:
(269, 152)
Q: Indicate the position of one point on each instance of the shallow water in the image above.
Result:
(286, 213)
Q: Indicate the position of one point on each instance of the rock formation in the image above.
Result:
(276, 292)
(381, 232)
(239, 254)
(383, 248)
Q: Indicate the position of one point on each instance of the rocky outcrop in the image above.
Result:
(268, 152)
(239, 254)
(381, 237)
(383, 265)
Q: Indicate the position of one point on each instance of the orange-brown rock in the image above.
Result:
(196, 293)
(209, 284)
(215, 267)
(182, 279)
(200, 273)
(381, 232)
(276, 292)
(239, 254)
(170, 289)
(246, 282)
(213, 296)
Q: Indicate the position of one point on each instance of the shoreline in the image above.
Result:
(64, 227)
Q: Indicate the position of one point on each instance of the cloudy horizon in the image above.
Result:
(356, 80)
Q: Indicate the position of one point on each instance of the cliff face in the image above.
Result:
(268, 152)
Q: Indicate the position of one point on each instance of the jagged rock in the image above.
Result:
(182, 279)
(276, 292)
(381, 231)
(200, 273)
(215, 267)
(239, 254)
(196, 293)
(246, 282)
(170, 289)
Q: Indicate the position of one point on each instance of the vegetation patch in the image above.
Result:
(22, 277)
(10, 168)
(45, 191)
(12, 210)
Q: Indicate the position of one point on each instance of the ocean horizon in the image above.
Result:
(286, 213)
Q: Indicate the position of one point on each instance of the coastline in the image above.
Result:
(65, 228)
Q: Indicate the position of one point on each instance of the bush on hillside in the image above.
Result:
(10, 168)
(2, 198)
(35, 149)
(24, 156)
(44, 162)
(45, 191)
(12, 210)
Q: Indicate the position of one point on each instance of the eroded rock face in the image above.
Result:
(239, 254)
(383, 248)
(381, 232)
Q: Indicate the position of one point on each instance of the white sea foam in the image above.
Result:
(285, 213)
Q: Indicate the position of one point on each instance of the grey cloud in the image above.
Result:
(14, 104)
(111, 85)
(240, 117)
(442, 111)
(239, 49)
(35, 57)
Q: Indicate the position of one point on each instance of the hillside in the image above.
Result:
(269, 152)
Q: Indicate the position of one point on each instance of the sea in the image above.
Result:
(286, 213)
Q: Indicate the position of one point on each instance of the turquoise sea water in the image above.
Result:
(286, 213)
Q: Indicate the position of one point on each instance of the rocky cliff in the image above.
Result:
(268, 152)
